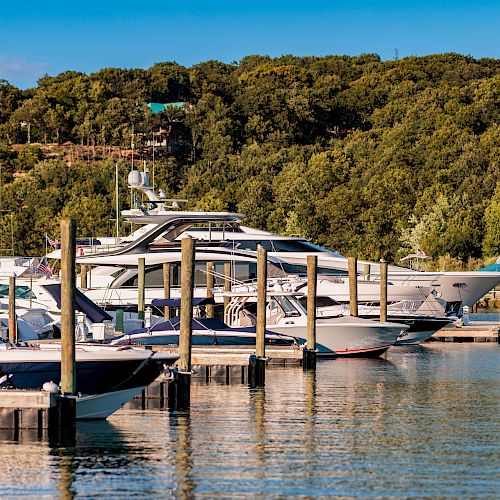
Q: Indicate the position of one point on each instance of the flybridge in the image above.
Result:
(168, 227)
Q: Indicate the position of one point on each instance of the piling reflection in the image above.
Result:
(67, 470)
(310, 410)
(180, 423)
(258, 408)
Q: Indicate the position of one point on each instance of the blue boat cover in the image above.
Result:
(173, 324)
(82, 304)
(177, 302)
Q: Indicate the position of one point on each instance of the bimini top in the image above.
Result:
(197, 301)
(82, 304)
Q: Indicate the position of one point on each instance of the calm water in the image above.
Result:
(423, 423)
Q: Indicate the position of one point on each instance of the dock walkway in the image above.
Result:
(476, 331)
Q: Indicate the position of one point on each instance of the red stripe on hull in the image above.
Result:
(371, 352)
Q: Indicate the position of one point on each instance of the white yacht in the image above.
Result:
(442, 293)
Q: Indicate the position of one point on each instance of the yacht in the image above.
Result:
(449, 291)
(205, 331)
(113, 280)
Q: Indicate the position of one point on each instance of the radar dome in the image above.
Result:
(134, 178)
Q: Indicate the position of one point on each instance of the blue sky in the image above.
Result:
(38, 38)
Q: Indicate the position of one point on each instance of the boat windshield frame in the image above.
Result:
(286, 305)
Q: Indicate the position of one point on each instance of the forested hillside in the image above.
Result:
(370, 158)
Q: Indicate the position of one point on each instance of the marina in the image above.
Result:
(249, 250)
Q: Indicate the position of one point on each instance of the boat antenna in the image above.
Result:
(117, 206)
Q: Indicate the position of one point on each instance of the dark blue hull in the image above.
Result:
(198, 340)
(92, 377)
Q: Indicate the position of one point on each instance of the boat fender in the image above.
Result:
(50, 387)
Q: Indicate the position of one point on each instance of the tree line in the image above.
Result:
(368, 157)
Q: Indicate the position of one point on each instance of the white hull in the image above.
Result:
(413, 338)
(466, 287)
(346, 336)
(101, 406)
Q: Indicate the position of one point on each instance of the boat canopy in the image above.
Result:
(177, 302)
(82, 304)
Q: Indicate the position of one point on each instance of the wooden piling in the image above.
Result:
(210, 285)
(353, 285)
(256, 368)
(179, 390)
(68, 364)
(309, 354)
(83, 276)
(141, 287)
(383, 290)
(166, 288)
(260, 345)
(227, 283)
(187, 285)
(12, 310)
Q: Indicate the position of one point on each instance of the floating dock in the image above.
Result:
(238, 355)
(476, 331)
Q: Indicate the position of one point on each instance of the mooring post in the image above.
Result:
(210, 285)
(309, 354)
(179, 390)
(166, 288)
(353, 285)
(83, 276)
(257, 366)
(366, 271)
(68, 358)
(227, 284)
(119, 321)
(383, 290)
(141, 287)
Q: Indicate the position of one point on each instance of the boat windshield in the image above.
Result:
(286, 306)
(22, 292)
(276, 245)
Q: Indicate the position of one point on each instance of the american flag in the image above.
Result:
(53, 243)
(44, 266)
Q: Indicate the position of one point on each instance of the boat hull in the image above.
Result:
(97, 371)
(341, 337)
(101, 406)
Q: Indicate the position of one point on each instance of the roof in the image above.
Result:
(493, 267)
(157, 107)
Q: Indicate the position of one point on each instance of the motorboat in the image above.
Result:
(107, 377)
(420, 326)
(335, 336)
(205, 331)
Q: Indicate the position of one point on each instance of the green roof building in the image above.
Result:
(157, 107)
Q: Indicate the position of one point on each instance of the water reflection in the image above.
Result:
(180, 423)
(423, 423)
